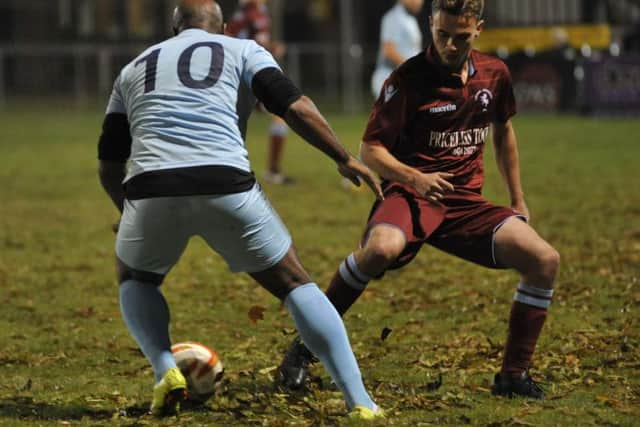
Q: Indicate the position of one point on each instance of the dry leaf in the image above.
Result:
(385, 333)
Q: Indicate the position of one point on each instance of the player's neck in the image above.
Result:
(463, 72)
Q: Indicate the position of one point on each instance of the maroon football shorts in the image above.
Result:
(463, 226)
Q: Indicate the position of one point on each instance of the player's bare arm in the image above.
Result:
(390, 51)
(305, 119)
(433, 186)
(506, 148)
(282, 98)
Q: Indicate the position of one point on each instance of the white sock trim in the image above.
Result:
(548, 293)
(353, 266)
(351, 279)
(533, 296)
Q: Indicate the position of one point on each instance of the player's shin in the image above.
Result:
(528, 314)
(146, 315)
(346, 286)
(324, 334)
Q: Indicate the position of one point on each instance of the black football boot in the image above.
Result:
(294, 369)
(510, 387)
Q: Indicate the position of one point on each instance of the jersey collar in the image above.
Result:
(444, 72)
(191, 31)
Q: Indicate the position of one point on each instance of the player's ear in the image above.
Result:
(479, 27)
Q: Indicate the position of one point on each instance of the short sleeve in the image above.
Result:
(506, 106)
(389, 30)
(256, 58)
(388, 117)
(116, 101)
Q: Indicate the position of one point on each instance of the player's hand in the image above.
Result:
(354, 171)
(520, 206)
(433, 186)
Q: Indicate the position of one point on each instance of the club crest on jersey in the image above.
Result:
(484, 97)
(389, 91)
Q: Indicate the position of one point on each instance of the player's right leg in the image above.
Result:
(396, 229)
(150, 240)
(321, 330)
(384, 245)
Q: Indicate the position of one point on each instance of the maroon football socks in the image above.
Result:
(347, 285)
(528, 313)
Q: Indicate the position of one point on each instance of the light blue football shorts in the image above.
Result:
(243, 228)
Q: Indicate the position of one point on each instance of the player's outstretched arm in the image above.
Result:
(281, 97)
(305, 119)
(506, 148)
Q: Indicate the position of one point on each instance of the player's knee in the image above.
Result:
(383, 252)
(552, 261)
(548, 263)
(125, 273)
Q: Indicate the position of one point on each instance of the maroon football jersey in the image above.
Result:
(251, 21)
(428, 119)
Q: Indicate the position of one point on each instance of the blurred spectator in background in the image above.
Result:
(251, 20)
(400, 39)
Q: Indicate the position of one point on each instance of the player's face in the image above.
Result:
(453, 37)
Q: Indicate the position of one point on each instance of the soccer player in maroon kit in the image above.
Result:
(425, 137)
(251, 21)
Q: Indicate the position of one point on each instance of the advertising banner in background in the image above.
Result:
(544, 83)
(612, 84)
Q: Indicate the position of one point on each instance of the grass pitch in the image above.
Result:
(67, 359)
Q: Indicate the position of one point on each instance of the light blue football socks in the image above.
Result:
(323, 332)
(146, 314)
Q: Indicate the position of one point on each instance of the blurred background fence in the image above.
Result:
(565, 55)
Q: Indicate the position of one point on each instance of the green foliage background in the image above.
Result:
(67, 359)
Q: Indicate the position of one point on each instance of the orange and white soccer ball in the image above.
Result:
(200, 366)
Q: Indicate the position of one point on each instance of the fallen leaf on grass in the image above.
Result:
(256, 313)
(385, 333)
(27, 385)
(85, 312)
(434, 385)
(268, 369)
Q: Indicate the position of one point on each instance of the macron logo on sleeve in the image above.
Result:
(389, 92)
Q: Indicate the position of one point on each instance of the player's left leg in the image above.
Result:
(148, 244)
(277, 140)
(518, 246)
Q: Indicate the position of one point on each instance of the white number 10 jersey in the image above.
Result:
(182, 100)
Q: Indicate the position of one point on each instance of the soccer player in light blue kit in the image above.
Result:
(177, 115)
(400, 39)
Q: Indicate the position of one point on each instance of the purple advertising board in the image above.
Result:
(612, 84)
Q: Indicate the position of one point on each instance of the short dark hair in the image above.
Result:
(459, 7)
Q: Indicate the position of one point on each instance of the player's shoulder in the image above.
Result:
(391, 15)
(415, 67)
(489, 64)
